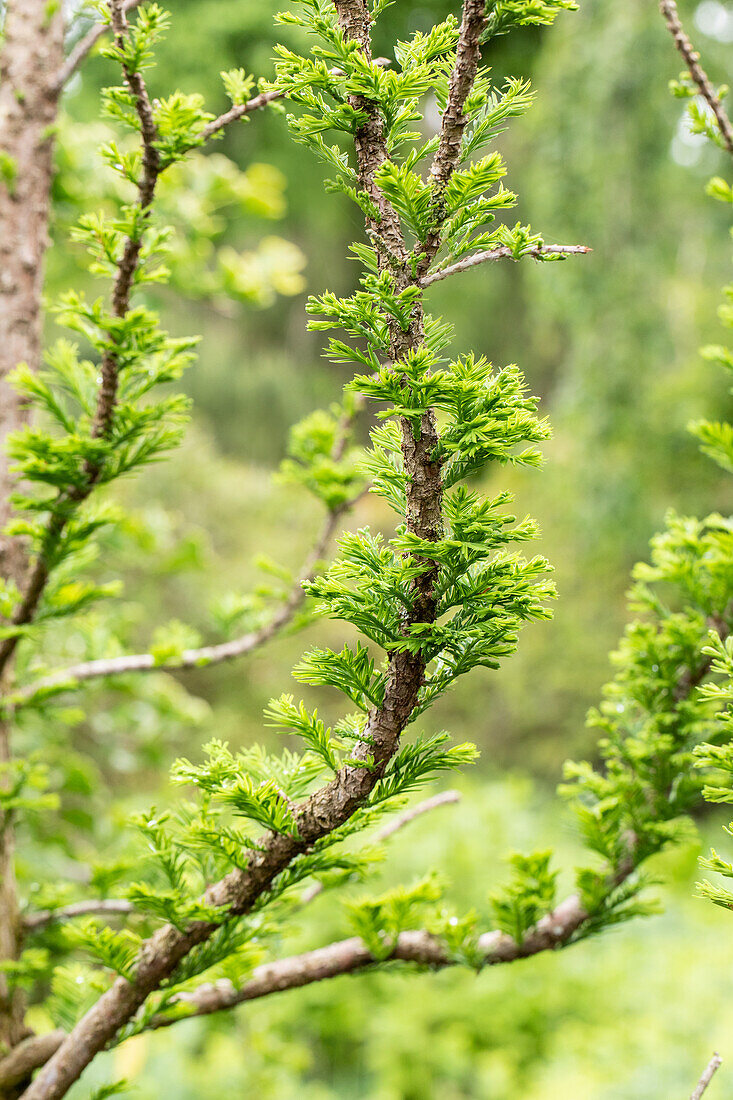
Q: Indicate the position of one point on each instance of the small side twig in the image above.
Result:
(85, 45)
(691, 58)
(503, 253)
(34, 921)
(392, 827)
(708, 1074)
(71, 677)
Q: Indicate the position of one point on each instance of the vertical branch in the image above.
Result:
(128, 262)
(31, 55)
(453, 123)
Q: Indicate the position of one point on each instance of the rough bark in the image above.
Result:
(31, 56)
(553, 931)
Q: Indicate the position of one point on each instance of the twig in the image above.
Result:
(393, 826)
(71, 677)
(691, 58)
(239, 110)
(503, 253)
(84, 46)
(33, 921)
(710, 1071)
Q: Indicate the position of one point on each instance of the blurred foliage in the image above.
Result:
(541, 1028)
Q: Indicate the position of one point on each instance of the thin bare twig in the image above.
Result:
(503, 253)
(69, 678)
(85, 45)
(33, 921)
(392, 827)
(710, 1070)
(691, 58)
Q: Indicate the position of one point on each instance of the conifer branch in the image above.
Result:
(710, 1070)
(334, 804)
(503, 253)
(691, 58)
(127, 265)
(555, 930)
(85, 45)
(128, 262)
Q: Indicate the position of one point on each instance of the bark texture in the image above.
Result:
(31, 57)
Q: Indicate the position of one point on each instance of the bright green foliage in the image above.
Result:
(207, 199)
(716, 440)
(485, 590)
(667, 695)
(379, 921)
(652, 717)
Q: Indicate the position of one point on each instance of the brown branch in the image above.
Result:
(26, 1057)
(503, 253)
(555, 930)
(129, 261)
(348, 956)
(34, 921)
(691, 58)
(85, 45)
(453, 122)
(710, 1070)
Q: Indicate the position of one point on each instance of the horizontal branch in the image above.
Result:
(33, 921)
(554, 930)
(349, 956)
(71, 677)
(504, 253)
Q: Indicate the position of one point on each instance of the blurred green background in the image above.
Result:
(609, 342)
